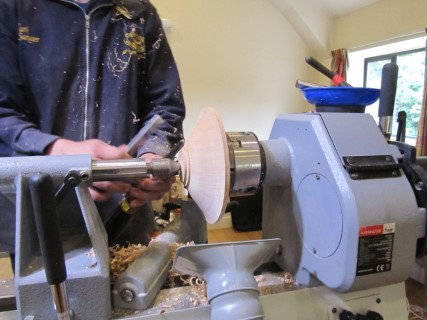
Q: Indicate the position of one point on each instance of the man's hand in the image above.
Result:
(103, 190)
(97, 148)
(143, 191)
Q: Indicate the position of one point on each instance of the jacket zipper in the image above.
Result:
(87, 52)
(86, 94)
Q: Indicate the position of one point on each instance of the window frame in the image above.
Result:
(391, 56)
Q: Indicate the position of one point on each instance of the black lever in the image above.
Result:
(71, 180)
(387, 96)
(48, 231)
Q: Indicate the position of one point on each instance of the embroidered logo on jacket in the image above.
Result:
(23, 35)
(132, 45)
(135, 44)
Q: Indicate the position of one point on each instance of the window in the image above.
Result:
(410, 85)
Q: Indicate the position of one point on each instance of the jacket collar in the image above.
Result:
(130, 9)
(93, 3)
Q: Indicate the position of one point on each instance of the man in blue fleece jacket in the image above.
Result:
(82, 77)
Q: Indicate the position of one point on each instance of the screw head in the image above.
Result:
(127, 295)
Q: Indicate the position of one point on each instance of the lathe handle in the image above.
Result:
(47, 222)
(388, 89)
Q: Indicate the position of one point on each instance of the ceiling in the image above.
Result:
(341, 7)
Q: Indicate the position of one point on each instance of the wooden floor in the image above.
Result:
(5, 267)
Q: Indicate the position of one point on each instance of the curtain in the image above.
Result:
(340, 62)
(422, 124)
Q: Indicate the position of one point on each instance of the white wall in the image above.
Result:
(241, 57)
(384, 21)
(311, 21)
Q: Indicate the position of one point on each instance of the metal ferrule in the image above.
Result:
(246, 163)
(60, 301)
(163, 168)
(385, 124)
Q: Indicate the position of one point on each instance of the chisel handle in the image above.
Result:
(335, 77)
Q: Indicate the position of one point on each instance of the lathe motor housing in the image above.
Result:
(335, 194)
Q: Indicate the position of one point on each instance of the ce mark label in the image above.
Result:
(382, 267)
(375, 250)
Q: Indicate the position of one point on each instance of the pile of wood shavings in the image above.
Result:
(285, 278)
(122, 256)
(269, 283)
(181, 298)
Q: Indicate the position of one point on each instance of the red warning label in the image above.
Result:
(377, 229)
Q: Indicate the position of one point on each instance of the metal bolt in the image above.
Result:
(127, 295)
(84, 175)
(72, 180)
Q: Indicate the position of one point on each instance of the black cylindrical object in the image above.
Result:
(48, 230)
(388, 89)
(401, 127)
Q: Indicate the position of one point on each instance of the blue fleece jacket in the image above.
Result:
(82, 74)
(99, 74)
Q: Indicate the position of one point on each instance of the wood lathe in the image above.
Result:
(343, 212)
